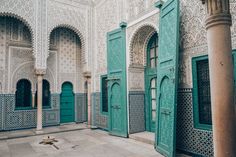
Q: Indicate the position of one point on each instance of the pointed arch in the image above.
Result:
(138, 43)
(76, 31)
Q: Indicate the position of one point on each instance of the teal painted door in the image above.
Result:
(116, 111)
(67, 109)
(167, 76)
(117, 86)
(150, 83)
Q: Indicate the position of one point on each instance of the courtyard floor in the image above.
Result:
(78, 143)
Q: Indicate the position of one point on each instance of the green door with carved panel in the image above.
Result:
(167, 77)
(117, 86)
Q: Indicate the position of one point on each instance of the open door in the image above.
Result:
(117, 86)
(167, 77)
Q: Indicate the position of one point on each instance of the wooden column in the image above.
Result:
(221, 77)
(39, 74)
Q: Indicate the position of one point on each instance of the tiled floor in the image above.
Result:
(79, 143)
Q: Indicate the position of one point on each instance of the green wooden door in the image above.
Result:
(67, 109)
(117, 121)
(167, 78)
(150, 83)
(117, 86)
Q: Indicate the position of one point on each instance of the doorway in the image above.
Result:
(67, 109)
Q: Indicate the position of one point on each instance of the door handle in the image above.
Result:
(165, 111)
(115, 106)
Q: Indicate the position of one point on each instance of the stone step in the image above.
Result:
(149, 138)
(145, 137)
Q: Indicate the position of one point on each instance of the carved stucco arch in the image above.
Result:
(51, 79)
(138, 57)
(74, 29)
(26, 23)
(14, 78)
(23, 78)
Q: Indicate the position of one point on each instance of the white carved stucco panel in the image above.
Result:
(69, 67)
(136, 79)
(2, 51)
(23, 9)
(193, 36)
(75, 18)
(107, 19)
(137, 8)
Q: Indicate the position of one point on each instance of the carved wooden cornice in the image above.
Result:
(218, 12)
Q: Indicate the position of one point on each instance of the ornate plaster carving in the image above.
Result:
(138, 43)
(74, 18)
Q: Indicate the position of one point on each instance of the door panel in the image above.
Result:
(67, 104)
(167, 72)
(150, 82)
(116, 108)
(117, 86)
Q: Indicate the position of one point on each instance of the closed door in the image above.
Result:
(116, 112)
(67, 110)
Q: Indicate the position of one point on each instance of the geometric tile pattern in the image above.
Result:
(80, 100)
(1, 112)
(189, 139)
(136, 112)
(100, 120)
(51, 116)
(11, 119)
(22, 119)
(67, 51)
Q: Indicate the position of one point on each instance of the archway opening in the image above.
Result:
(65, 64)
(142, 82)
(67, 112)
(16, 54)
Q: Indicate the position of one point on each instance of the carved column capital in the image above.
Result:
(87, 74)
(40, 71)
(218, 12)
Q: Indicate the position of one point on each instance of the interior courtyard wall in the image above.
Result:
(71, 15)
(193, 44)
(64, 61)
(42, 16)
(138, 36)
(108, 15)
(139, 33)
(16, 54)
(107, 18)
